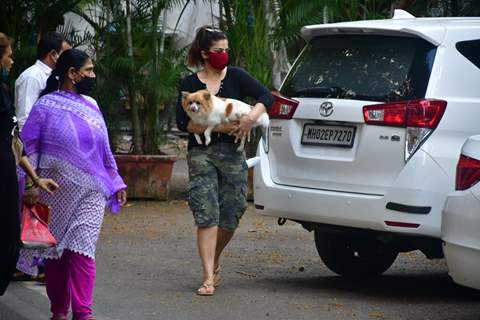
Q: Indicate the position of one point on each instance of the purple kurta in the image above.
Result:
(66, 139)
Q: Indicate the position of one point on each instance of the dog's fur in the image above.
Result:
(206, 109)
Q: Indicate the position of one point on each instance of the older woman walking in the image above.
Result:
(66, 138)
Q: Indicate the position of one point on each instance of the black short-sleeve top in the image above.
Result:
(237, 84)
(7, 113)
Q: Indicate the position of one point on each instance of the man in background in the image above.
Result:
(34, 79)
(27, 90)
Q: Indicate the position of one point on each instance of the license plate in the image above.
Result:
(328, 135)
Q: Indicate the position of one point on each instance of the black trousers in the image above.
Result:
(9, 215)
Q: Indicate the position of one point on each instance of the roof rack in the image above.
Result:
(402, 14)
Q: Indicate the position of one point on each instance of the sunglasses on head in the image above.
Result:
(215, 30)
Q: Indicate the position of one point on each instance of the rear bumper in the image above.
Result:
(460, 233)
(463, 264)
(347, 209)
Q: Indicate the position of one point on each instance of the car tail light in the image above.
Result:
(468, 172)
(282, 107)
(419, 117)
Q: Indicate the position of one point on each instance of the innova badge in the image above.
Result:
(326, 109)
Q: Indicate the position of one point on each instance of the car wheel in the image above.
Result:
(354, 256)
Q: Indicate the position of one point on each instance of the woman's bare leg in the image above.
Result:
(223, 238)
(207, 242)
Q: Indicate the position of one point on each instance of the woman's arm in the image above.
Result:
(31, 138)
(251, 87)
(31, 195)
(226, 128)
(246, 122)
(195, 128)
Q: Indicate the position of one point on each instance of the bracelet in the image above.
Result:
(35, 181)
(29, 185)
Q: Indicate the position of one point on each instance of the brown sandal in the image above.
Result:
(207, 289)
(20, 276)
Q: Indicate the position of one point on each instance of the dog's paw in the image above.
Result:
(199, 140)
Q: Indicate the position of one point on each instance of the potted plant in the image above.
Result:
(137, 77)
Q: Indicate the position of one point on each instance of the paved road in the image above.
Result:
(148, 269)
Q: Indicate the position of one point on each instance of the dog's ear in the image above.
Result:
(229, 109)
(185, 95)
(206, 95)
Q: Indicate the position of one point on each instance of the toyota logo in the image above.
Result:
(326, 109)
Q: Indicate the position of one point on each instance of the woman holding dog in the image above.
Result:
(217, 172)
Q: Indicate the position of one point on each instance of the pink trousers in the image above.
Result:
(70, 280)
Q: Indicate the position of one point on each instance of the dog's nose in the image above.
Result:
(194, 108)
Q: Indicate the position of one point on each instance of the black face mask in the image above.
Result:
(85, 86)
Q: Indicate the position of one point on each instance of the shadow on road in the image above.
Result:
(408, 288)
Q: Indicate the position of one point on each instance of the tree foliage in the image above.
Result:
(289, 16)
(141, 87)
(26, 20)
(144, 82)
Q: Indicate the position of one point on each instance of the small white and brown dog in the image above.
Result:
(206, 109)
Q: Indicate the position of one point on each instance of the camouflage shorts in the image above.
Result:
(218, 185)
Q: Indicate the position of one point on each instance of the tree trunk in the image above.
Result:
(151, 100)
(137, 130)
(228, 15)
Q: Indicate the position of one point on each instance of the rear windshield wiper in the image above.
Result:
(320, 92)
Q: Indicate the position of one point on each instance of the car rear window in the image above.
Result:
(470, 50)
(360, 67)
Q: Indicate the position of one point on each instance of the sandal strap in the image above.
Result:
(206, 289)
(217, 278)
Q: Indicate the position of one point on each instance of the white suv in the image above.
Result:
(365, 135)
(461, 219)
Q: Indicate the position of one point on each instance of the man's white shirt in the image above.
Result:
(28, 87)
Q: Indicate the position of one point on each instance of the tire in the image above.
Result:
(354, 256)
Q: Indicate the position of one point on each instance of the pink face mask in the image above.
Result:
(218, 60)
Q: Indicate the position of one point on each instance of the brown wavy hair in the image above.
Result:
(204, 39)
